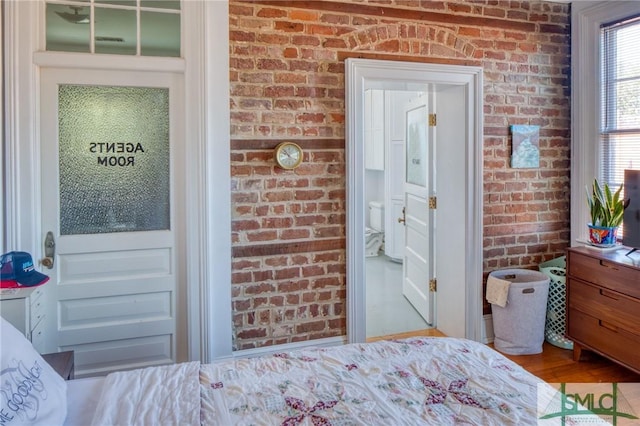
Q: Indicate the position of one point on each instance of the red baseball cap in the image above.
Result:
(17, 270)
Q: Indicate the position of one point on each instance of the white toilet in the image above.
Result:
(374, 235)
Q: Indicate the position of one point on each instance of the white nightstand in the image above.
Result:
(24, 308)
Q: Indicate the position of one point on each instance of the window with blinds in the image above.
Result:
(620, 109)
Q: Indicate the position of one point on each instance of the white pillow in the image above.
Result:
(31, 392)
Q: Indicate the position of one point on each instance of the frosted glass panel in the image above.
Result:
(417, 146)
(114, 159)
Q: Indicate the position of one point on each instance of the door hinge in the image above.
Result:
(433, 285)
(432, 120)
(432, 203)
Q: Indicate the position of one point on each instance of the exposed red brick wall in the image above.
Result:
(287, 83)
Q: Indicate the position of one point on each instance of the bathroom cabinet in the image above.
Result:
(374, 129)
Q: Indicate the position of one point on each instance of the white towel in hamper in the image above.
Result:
(497, 291)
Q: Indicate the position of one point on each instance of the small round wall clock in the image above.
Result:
(288, 155)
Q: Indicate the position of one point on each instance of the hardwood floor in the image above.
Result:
(556, 365)
(420, 333)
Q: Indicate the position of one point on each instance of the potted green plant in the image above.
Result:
(607, 211)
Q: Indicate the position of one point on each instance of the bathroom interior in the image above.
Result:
(388, 310)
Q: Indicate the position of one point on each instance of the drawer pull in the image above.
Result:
(608, 265)
(528, 290)
(608, 326)
(608, 294)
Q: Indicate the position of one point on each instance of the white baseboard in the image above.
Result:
(267, 350)
(487, 329)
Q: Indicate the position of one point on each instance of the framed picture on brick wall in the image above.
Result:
(525, 152)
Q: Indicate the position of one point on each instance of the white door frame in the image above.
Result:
(208, 206)
(363, 74)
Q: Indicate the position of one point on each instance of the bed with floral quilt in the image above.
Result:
(413, 381)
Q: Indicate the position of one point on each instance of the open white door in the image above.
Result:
(395, 134)
(418, 256)
(111, 184)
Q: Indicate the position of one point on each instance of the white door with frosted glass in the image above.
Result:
(112, 197)
(418, 257)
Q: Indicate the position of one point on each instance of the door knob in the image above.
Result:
(49, 251)
(402, 219)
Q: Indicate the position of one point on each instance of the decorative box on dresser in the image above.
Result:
(603, 304)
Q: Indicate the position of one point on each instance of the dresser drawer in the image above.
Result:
(605, 338)
(606, 273)
(37, 336)
(604, 304)
(37, 311)
(37, 293)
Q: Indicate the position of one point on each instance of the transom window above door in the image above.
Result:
(121, 27)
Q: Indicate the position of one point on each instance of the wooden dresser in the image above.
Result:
(603, 304)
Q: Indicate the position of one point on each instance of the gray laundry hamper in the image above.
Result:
(519, 326)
